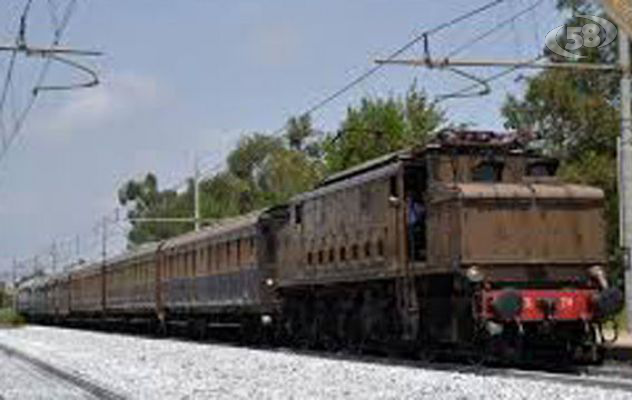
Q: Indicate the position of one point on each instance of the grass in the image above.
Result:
(8, 317)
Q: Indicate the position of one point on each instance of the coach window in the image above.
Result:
(209, 258)
(541, 169)
(238, 250)
(380, 248)
(298, 213)
(488, 171)
(219, 254)
(201, 264)
(393, 189)
(354, 252)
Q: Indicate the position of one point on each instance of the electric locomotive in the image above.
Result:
(468, 242)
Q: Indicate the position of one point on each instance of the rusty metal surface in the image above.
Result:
(517, 224)
(225, 229)
(343, 230)
(242, 288)
(517, 219)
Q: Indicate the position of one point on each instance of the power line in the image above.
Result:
(464, 91)
(353, 83)
(374, 69)
(9, 135)
(495, 29)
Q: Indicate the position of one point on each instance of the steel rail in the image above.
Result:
(91, 388)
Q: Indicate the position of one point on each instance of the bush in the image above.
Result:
(8, 317)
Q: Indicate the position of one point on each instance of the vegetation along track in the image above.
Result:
(91, 389)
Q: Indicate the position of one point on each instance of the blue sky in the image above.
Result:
(189, 77)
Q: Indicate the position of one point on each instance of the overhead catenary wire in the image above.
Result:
(10, 134)
(485, 81)
(408, 45)
(423, 37)
(480, 83)
(509, 21)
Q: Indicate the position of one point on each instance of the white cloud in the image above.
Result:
(116, 98)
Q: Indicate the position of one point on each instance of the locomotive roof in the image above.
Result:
(136, 252)
(468, 140)
(218, 228)
(369, 165)
(542, 191)
(34, 282)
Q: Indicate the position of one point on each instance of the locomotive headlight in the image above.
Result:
(508, 305)
(269, 282)
(474, 274)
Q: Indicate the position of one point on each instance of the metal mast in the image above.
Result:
(196, 195)
(625, 169)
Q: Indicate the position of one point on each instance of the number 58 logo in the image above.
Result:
(598, 34)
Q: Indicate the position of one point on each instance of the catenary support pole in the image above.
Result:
(196, 195)
(625, 169)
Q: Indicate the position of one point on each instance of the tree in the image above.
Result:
(286, 173)
(145, 200)
(252, 150)
(265, 170)
(298, 130)
(262, 171)
(380, 126)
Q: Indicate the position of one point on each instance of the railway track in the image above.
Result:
(76, 384)
(609, 376)
(601, 377)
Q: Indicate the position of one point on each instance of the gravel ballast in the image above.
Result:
(144, 368)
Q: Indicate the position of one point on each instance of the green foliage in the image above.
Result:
(251, 152)
(298, 131)
(569, 113)
(262, 171)
(286, 173)
(8, 317)
(145, 200)
(265, 170)
(5, 299)
(380, 126)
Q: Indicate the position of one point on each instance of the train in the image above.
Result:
(470, 241)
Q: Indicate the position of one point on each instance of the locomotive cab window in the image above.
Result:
(298, 214)
(393, 190)
(541, 170)
(415, 184)
(488, 171)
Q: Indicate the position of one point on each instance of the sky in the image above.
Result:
(185, 79)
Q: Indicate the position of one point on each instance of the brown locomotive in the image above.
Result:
(470, 240)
